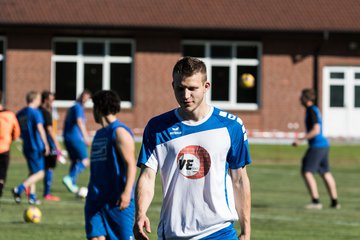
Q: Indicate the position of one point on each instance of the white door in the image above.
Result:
(341, 101)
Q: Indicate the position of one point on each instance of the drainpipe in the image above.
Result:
(316, 64)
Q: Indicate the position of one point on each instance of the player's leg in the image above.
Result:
(4, 164)
(119, 223)
(67, 180)
(35, 161)
(80, 152)
(329, 179)
(94, 222)
(50, 164)
(310, 164)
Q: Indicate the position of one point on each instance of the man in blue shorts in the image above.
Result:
(35, 145)
(76, 141)
(47, 99)
(110, 207)
(316, 159)
(201, 153)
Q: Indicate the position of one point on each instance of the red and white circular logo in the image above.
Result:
(194, 162)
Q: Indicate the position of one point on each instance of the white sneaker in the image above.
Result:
(316, 206)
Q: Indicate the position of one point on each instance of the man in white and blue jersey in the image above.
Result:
(35, 145)
(110, 207)
(316, 158)
(76, 141)
(201, 153)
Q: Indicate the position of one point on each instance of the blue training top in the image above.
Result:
(312, 117)
(107, 168)
(72, 131)
(28, 119)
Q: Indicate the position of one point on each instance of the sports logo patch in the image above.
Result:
(194, 162)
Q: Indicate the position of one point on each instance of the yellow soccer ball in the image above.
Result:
(32, 215)
(247, 80)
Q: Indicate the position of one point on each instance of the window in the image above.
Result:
(227, 65)
(2, 63)
(92, 64)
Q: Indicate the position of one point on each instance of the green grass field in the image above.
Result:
(278, 197)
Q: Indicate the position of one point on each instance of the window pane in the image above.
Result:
(221, 51)
(1, 47)
(120, 49)
(120, 80)
(93, 74)
(246, 94)
(65, 48)
(220, 83)
(336, 96)
(194, 50)
(337, 75)
(93, 49)
(246, 52)
(65, 80)
(357, 96)
(357, 76)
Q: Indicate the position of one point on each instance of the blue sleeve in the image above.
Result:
(147, 147)
(78, 112)
(239, 155)
(38, 117)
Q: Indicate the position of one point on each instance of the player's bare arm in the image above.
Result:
(126, 146)
(242, 195)
(145, 188)
(82, 127)
(315, 130)
(41, 130)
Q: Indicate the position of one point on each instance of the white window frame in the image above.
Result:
(2, 62)
(232, 63)
(81, 60)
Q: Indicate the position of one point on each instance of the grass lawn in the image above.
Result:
(278, 197)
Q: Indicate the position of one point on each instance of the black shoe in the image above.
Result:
(17, 197)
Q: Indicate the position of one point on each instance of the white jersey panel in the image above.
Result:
(198, 195)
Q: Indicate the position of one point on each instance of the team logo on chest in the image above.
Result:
(194, 162)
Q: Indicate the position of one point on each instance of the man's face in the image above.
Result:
(37, 100)
(190, 91)
(49, 101)
(85, 98)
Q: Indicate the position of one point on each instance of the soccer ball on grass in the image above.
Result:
(32, 215)
(82, 193)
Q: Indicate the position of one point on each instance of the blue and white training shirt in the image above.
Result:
(193, 160)
(28, 119)
(107, 167)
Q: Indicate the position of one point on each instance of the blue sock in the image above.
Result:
(20, 189)
(76, 169)
(48, 181)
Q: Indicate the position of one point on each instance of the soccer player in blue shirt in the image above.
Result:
(316, 158)
(35, 145)
(201, 153)
(110, 207)
(76, 141)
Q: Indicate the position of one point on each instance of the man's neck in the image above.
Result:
(195, 116)
(107, 120)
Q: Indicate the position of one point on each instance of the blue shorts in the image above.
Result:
(35, 161)
(109, 221)
(316, 160)
(228, 233)
(77, 150)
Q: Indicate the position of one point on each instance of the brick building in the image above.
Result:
(130, 46)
